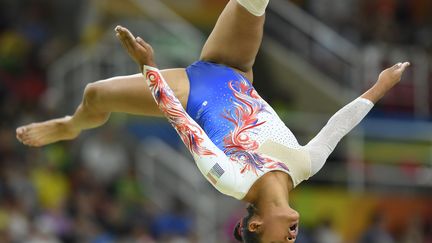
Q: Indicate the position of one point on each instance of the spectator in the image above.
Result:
(324, 233)
(175, 226)
(104, 156)
(377, 232)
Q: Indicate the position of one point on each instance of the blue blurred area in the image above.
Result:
(148, 128)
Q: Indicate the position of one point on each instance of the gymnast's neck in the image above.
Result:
(272, 189)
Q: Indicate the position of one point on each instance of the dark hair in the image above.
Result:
(241, 231)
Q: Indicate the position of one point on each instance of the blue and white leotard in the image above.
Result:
(227, 107)
(234, 136)
(230, 122)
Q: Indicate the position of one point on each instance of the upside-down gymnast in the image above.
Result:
(237, 140)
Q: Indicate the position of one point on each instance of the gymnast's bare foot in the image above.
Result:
(43, 133)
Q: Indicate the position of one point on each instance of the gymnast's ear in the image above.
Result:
(255, 225)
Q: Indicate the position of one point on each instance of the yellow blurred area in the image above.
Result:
(336, 205)
(12, 44)
(51, 185)
(350, 213)
(4, 219)
(193, 11)
(106, 12)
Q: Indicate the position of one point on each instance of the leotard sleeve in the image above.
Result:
(211, 161)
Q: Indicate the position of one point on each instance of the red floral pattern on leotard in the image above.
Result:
(239, 145)
(189, 132)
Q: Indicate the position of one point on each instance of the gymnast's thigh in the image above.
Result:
(130, 94)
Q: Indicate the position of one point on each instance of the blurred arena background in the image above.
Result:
(133, 181)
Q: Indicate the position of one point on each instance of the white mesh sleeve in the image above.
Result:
(343, 121)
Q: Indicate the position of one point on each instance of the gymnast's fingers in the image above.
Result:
(404, 65)
(124, 33)
(142, 42)
(401, 66)
(125, 46)
(400, 69)
(145, 45)
(126, 38)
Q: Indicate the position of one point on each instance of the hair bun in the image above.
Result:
(237, 233)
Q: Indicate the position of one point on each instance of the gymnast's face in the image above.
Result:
(277, 226)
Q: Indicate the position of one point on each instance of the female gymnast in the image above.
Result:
(237, 140)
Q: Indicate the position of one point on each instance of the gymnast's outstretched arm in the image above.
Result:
(349, 116)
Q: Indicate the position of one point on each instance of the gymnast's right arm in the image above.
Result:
(210, 160)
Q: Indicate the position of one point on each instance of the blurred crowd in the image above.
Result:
(385, 31)
(402, 22)
(56, 194)
(89, 190)
(377, 232)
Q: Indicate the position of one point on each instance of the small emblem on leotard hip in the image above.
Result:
(215, 173)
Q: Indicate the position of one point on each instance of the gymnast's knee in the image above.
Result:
(93, 97)
(92, 106)
(91, 93)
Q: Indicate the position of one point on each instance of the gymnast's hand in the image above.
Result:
(386, 80)
(140, 51)
(391, 76)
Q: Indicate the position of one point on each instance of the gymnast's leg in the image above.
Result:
(343, 121)
(129, 94)
(237, 35)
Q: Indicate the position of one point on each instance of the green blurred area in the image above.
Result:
(394, 152)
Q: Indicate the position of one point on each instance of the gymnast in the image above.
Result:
(237, 140)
